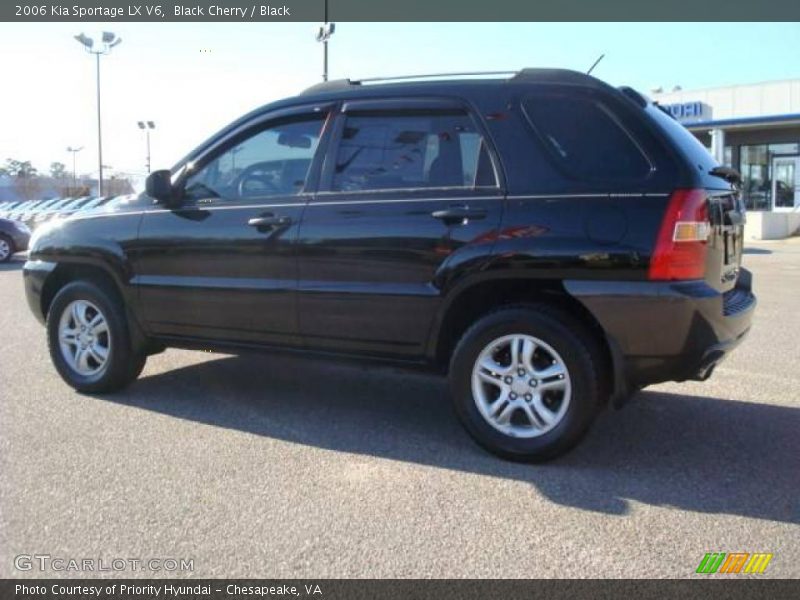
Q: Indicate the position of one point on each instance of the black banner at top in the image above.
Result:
(399, 10)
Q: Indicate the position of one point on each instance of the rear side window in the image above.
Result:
(383, 151)
(585, 138)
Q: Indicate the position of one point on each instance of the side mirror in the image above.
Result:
(158, 185)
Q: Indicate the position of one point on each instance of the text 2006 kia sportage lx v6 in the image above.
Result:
(549, 242)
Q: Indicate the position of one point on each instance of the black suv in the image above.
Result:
(550, 242)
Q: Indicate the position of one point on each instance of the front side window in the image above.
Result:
(272, 162)
(408, 151)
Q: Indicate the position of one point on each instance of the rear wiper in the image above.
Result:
(728, 174)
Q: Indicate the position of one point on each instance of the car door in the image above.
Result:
(410, 190)
(222, 265)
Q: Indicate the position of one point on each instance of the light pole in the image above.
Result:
(323, 35)
(108, 41)
(74, 170)
(147, 126)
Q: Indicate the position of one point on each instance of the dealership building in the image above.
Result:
(755, 129)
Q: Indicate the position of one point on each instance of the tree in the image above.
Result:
(58, 170)
(19, 168)
(26, 178)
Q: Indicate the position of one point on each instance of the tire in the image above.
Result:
(507, 418)
(6, 248)
(122, 363)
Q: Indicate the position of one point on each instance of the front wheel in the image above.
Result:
(89, 341)
(524, 382)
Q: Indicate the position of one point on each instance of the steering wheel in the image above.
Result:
(263, 173)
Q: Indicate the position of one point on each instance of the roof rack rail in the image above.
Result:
(436, 76)
(343, 84)
(521, 75)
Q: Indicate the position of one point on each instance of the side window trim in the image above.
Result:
(254, 127)
(399, 105)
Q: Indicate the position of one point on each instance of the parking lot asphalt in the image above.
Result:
(289, 467)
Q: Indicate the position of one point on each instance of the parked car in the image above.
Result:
(96, 202)
(77, 206)
(69, 207)
(15, 213)
(65, 206)
(27, 213)
(549, 242)
(37, 214)
(14, 237)
(7, 207)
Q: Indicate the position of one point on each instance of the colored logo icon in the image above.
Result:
(734, 562)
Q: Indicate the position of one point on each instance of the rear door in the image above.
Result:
(410, 188)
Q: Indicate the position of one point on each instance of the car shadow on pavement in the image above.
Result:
(699, 454)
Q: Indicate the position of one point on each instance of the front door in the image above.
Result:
(222, 266)
(408, 190)
(785, 182)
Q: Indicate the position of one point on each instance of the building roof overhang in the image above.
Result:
(743, 123)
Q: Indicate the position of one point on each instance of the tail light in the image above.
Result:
(682, 242)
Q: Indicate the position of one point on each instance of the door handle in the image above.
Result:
(269, 221)
(459, 214)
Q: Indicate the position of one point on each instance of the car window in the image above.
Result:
(402, 151)
(585, 138)
(695, 150)
(271, 162)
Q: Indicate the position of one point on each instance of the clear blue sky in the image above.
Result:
(193, 78)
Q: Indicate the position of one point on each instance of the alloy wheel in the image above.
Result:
(84, 337)
(521, 386)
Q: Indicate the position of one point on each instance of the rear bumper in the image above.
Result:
(668, 331)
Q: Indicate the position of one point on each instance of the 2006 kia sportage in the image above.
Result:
(549, 242)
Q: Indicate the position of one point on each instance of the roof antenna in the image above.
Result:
(601, 57)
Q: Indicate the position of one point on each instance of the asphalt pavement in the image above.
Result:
(289, 467)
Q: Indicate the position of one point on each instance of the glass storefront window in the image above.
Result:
(754, 167)
(784, 182)
(728, 158)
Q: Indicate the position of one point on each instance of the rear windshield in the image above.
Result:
(584, 136)
(690, 145)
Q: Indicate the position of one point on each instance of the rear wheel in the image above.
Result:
(89, 340)
(6, 248)
(524, 382)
